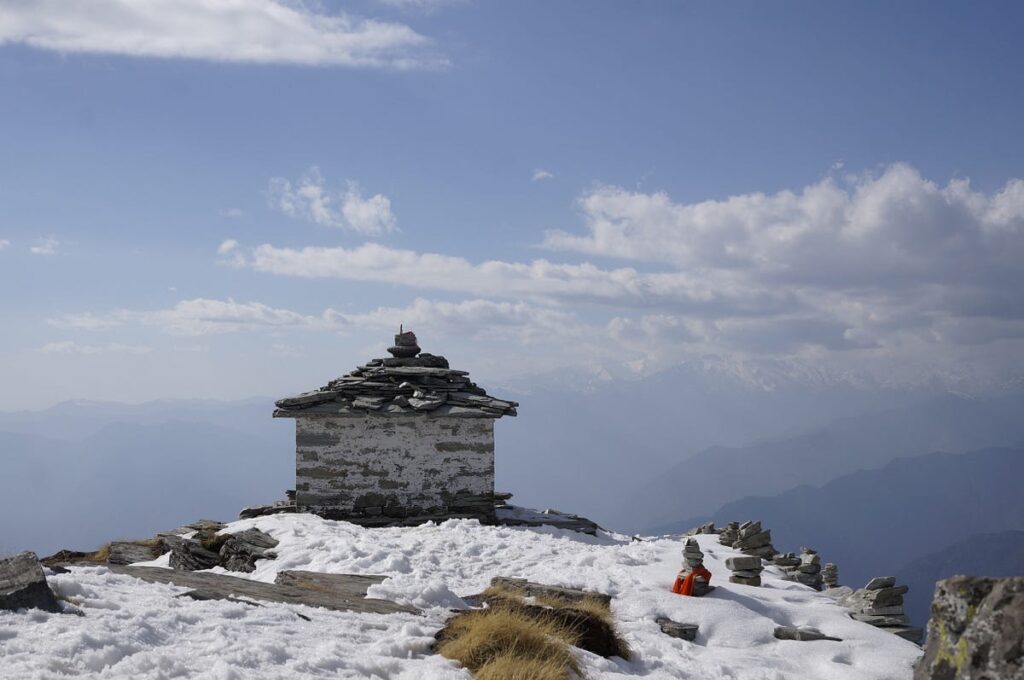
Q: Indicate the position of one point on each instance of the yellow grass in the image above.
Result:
(508, 667)
(478, 638)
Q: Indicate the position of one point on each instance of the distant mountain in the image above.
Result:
(1000, 554)
(873, 521)
(588, 445)
(701, 484)
(130, 480)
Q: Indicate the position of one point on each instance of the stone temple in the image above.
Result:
(403, 439)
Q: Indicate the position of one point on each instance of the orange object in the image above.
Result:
(684, 586)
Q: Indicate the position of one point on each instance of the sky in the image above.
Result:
(222, 199)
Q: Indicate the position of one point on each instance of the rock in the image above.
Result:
(747, 573)
(743, 563)
(23, 584)
(976, 630)
(274, 508)
(189, 555)
(683, 631)
(755, 581)
(529, 588)
(240, 551)
(805, 634)
(127, 552)
(880, 582)
(326, 593)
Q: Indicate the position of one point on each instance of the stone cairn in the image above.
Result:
(830, 576)
(808, 572)
(692, 559)
(746, 570)
(749, 538)
(880, 603)
(788, 563)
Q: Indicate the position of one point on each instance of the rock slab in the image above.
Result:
(23, 584)
(683, 631)
(976, 630)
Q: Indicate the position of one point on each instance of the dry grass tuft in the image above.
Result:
(99, 556)
(479, 638)
(508, 667)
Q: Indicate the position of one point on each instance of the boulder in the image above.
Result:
(240, 551)
(683, 631)
(128, 552)
(23, 584)
(189, 555)
(976, 630)
(880, 582)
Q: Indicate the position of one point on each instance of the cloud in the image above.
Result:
(541, 174)
(240, 31)
(71, 347)
(425, 6)
(232, 213)
(45, 246)
(4, 243)
(309, 198)
(886, 273)
(90, 322)
(226, 246)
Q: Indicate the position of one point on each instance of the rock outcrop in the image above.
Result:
(23, 584)
(976, 630)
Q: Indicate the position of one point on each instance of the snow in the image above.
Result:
(133, 629)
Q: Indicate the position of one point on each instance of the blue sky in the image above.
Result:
(201, 203)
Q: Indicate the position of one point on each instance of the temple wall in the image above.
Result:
(395, 466)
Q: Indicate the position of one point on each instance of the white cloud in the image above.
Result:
(243, 31)
(90, 322)
(226, 246)
(232, 213)
(885, 272)
(4, 243)
(71, 347)
(541, 174)
(45, 246)
(309, 198)
(426, 6)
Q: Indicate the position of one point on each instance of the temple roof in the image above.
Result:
(399, 385)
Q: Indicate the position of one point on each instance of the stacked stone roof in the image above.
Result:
(398, 386)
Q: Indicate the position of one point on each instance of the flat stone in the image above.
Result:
(683, 631)
(189, 555)
(880, 620)
(241, 550)
(529, 588)
(127, 552)
(747, 573)
(756, 581)
(743, 563)
(805, 634)
(325, 593)
(23, 584)
(880, 582)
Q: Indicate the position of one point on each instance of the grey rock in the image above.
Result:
(127, 552)
(805, 634)
(976, 630)
(189, 555)
(880, 582)
(329, 591)
(683, 631)
(747, 573)
(756, 581)
(743, 563)
(23, 584)
(529, 589)
(880, 621)
(241, 550)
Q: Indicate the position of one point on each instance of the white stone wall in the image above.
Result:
(391, 466)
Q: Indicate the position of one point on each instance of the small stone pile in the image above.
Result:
(746, 570)
(692, 559)
(708, 528)
(830, 575)
(788, 563)
(729, 533)
(749, 538)
(880, 603)
(808, 572)
(753, 540)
